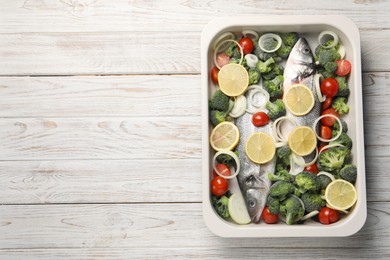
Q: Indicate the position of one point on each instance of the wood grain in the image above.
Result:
(136, 226)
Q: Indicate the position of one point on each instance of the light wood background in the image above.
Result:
(100, 137)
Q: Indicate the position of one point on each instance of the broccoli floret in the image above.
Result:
(274, 87)
(237, 61)
(284, 51)
(275, 109)
(340, 105)
(265, 66)
(343, 87)
(325, 180)
(227, 159)
(219, 101)
(254, 76)
(281, 189)
(312, 201)
(283, 154)
(276, 71)
(289, 39)
(230, 49)
(307, 181)
(331, 67)
(328, 55)
(280, 166)
(273, 204)
(336, 127)
(349, 173)
(262, 55)
(292, 210)
(326, 74)
(282, 175)
(221, 206)
(217, 117)
(333, 158)
(344, 139)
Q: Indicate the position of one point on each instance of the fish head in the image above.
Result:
(255, 202)
(302, 59)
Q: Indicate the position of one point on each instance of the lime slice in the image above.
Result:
(237, 209)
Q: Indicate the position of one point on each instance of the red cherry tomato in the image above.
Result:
(322, 146)
(214, 75)
(327, 103)
(312, 168)
(326, 132)
(260, 119)
(329, 121)
(219, 186)
(246, 44)
(329, 87)
(222, 59)
(328, 216)
(343, 67)
(268, 217)
(222, 169)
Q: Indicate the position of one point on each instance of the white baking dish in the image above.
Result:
(309, 27)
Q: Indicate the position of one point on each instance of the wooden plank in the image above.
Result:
(126, 96)
(101, 181)
(100, 138)
(131, 53)
(133, 226)
(170, 15)
(198, 253)
(376, 92)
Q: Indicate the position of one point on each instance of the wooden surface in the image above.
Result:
(100, 133)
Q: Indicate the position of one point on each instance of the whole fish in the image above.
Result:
(300, 68)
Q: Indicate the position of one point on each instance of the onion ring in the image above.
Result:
(325, 36)
(236, 159)
(327, 140)
(265, 37)
(220, 44)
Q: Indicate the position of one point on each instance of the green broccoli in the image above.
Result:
(231, 49)
(283, 154)
(343, 139)
(292, 210)
(333, 158)
(274, 87)
(336, 127)
(280, 166)
(340, 105)
(237, 61)
(254, 76)
(325, 180)
(282, 175)
(265, 66)
(221, 206)
(275, 109)
(227, 159)
(331, 67)
(349, 173)
(312, 201)
(307, 181)
(284, 51)
(289, 39)
(328, 55)
(219, 101)
(217, 117)
(276, 71)
(262, 55)
(326, 74)
(281, 189)
(273, 204)
(343, 87)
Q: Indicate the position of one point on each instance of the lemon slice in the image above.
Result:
(237, 209)
(233, 79)
(298, 99)
(302, 140)
(225, 136)
(260, 147)
(340, 194)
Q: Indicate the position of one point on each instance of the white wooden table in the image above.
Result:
(100, 137)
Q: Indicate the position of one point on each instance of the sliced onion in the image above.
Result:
(218, 47)
(252, 91)
(317, 78)
(239, 107)
(341, 51)
(303, 205)
(296, 168)
(298, 161)
(344, 211)
(330, 146)
(267, 36)
(236, 159)
(251, 60)
(247, 34)
(327, 174)
(327, 140)
(310, 215)
(223, 37)
(276, 125)
(280, 144)
(325, 36)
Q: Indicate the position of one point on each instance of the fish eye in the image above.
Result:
(306, 51)
(252, 204)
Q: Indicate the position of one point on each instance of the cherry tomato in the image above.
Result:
(260, 119)
(312, 168)
(329, 87)
(328, 216)
(246, 44)
(329, 121)
(343, 67)
(326, 132)
(322, 144)
(222, 169)
(219, 186)
(327, 103)
(268, 217)
(222, 59)
(214, 75)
